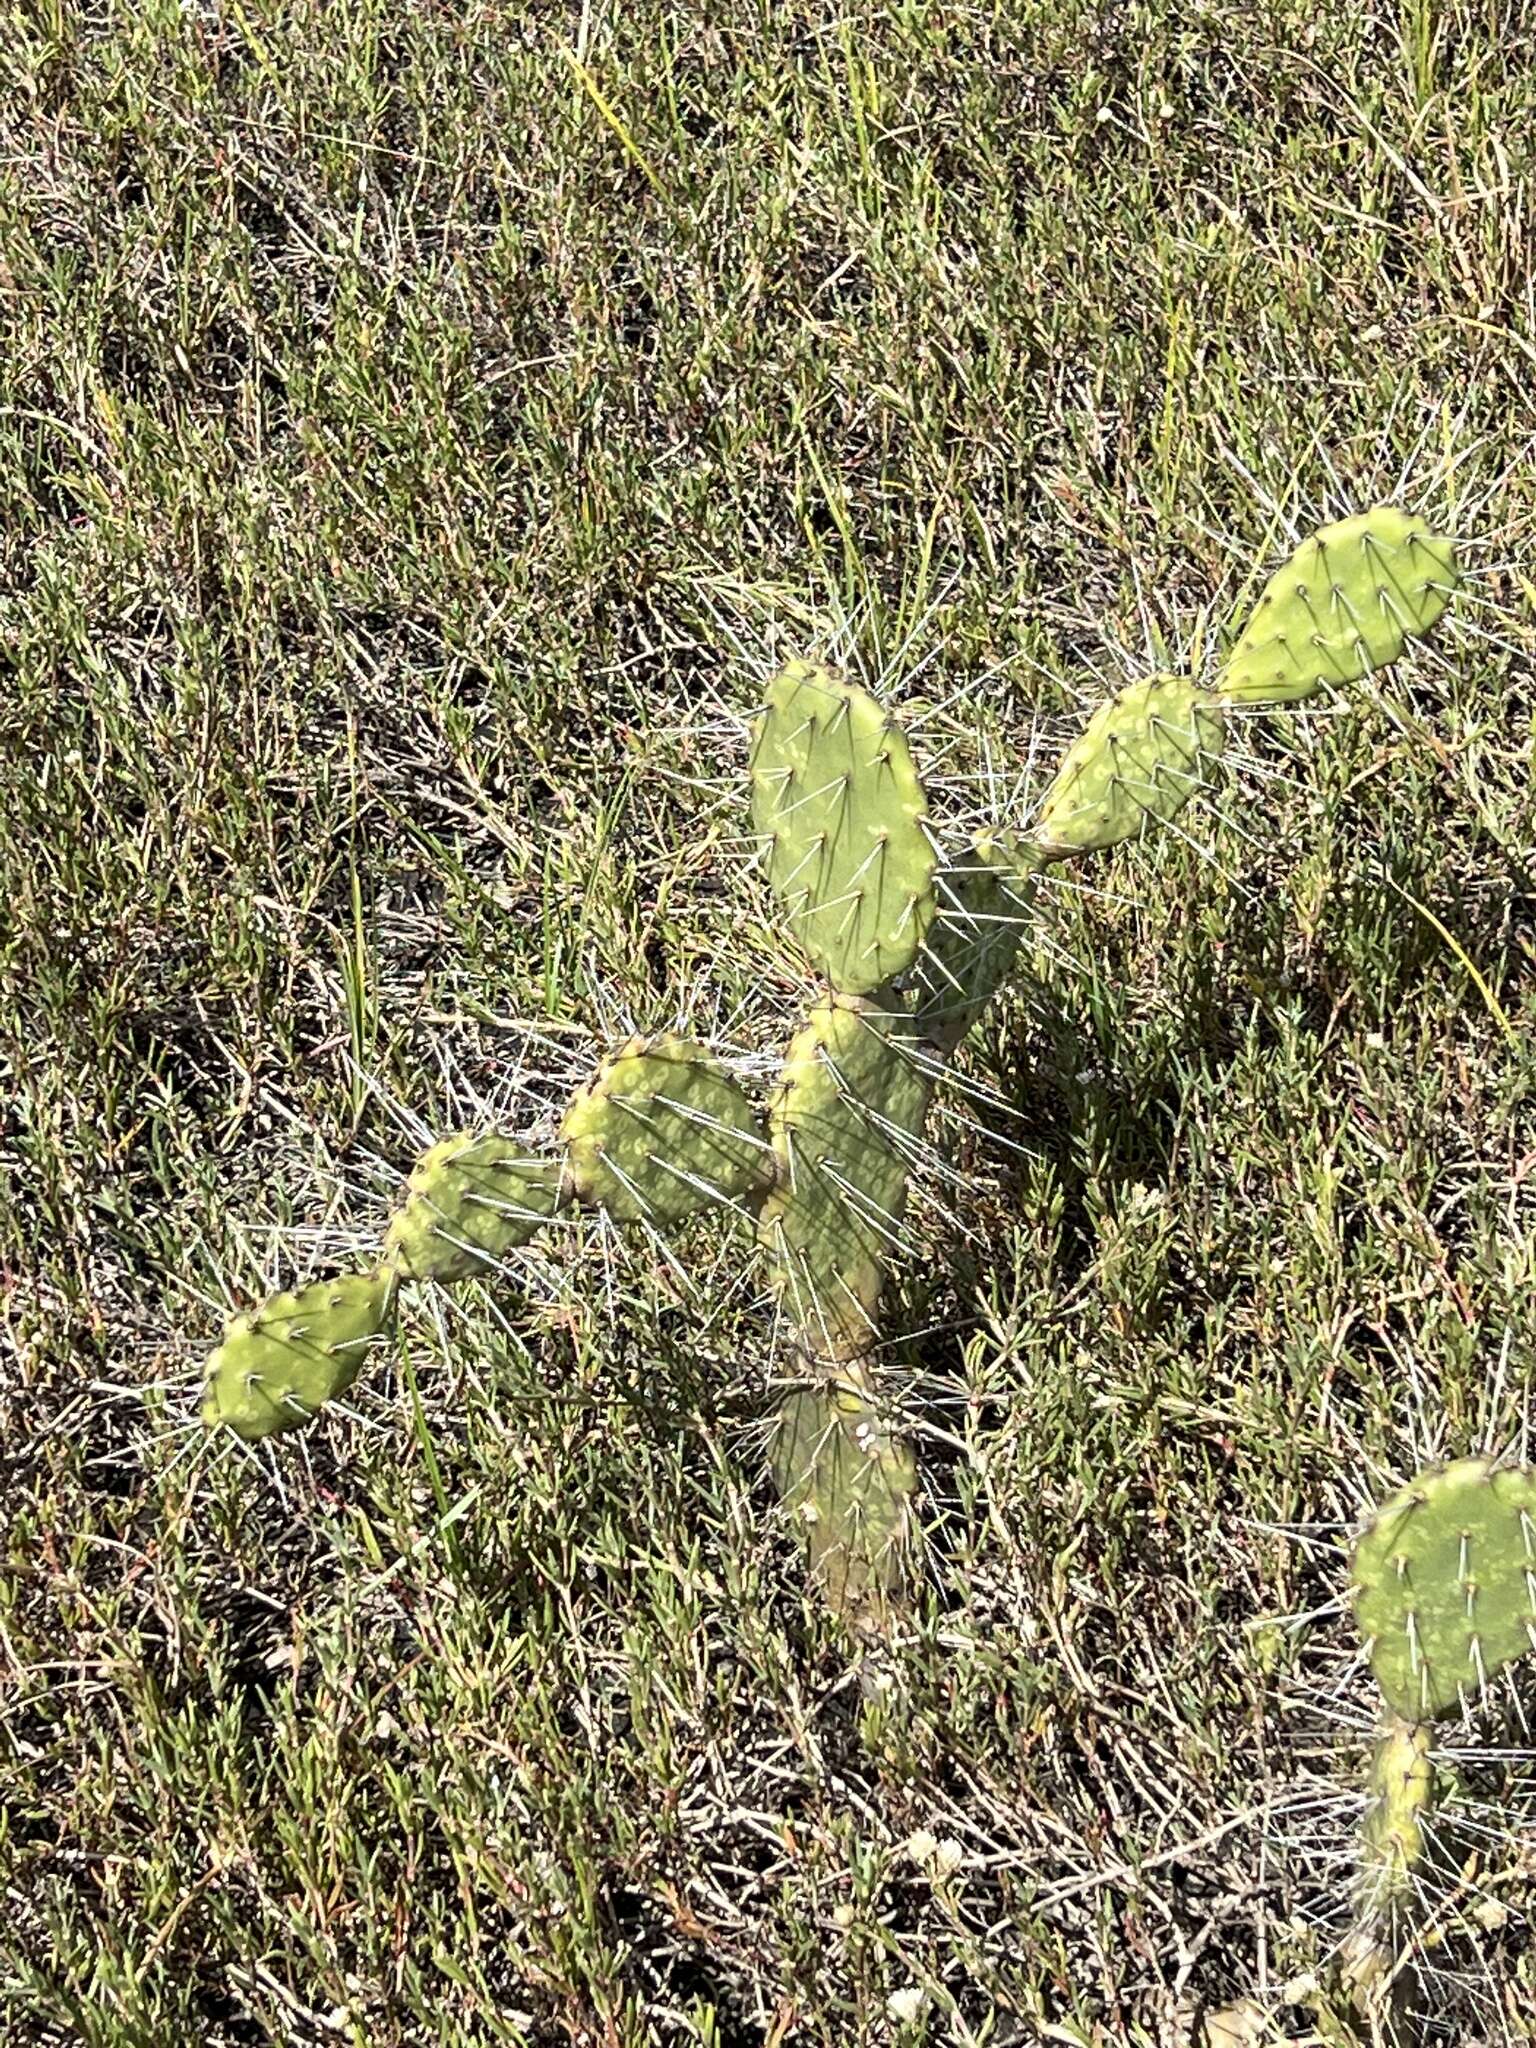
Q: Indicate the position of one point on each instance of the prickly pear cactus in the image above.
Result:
(1394, 1844)
(1142, 758)
(1444, 1584)
(913, 951)
(1399, 1793)
(469, 1201)
(848, 1483)
(280, 1363)
(661, 1132)
(1346, 603)
(847, 1114)
(836, 798)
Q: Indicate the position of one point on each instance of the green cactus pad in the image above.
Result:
(279, 1363)
(1444, 1584)
(470, 1200)
(851, 1093)
(848, 1484)
(1142, 758)
(1401, 1790)
(836, 796)
(661, 1132)
(1347, 602)
(974, 940)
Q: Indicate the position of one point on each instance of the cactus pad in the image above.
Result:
(974, 939)
(663, 1131)
(469, 1201)
(1140, 761)
(1347, 602)
(848, 1110)
(848, 1483)
(1444, 1584)
(279, 1363)
(1400, 1792)
(836, 796)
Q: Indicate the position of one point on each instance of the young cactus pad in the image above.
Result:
(972, 944)
(836, 796)
(844, 1123)
(1140, 761)
(1347, 602)
(849, 1485)
(1400, 1792)
(469, 1201)
(663, 1131)
(280, 1363)
(1394, 1846)
(1444, 1584)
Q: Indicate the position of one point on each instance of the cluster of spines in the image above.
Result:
(912, 948)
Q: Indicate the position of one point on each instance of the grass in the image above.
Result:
(420, 429)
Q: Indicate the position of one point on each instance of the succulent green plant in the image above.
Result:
(1444, 1584)
(910, 948)
(844, 819)
(279, 1363)
(848, 1111)
(1346, 603)
(1443, 1589)
(661, 1132)
(1142, 758)
(469, 1201)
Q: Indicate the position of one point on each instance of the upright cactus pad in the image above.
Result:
(1142, 758)
(972, 944)
(663, 1131)
(1400, 1792)
(836, 796)
(848, 1483)
(1346, 603)
(1444, 1584)
(280, 1363)
(469, 1201)
(849, 1107)
(1394, 1848)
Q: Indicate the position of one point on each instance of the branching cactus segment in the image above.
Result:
(1394, 1846)
(1142, 758)
(848, 1482)
(835, 795)
(662, 1132)
(1444, 1584)
(1443, 1581)
(280, 1363)
(844, 1124)
(1347, 603)
(469, 1201)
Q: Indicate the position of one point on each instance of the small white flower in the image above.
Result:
(907, 2004)
(948, 1856)
(921, 1846)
